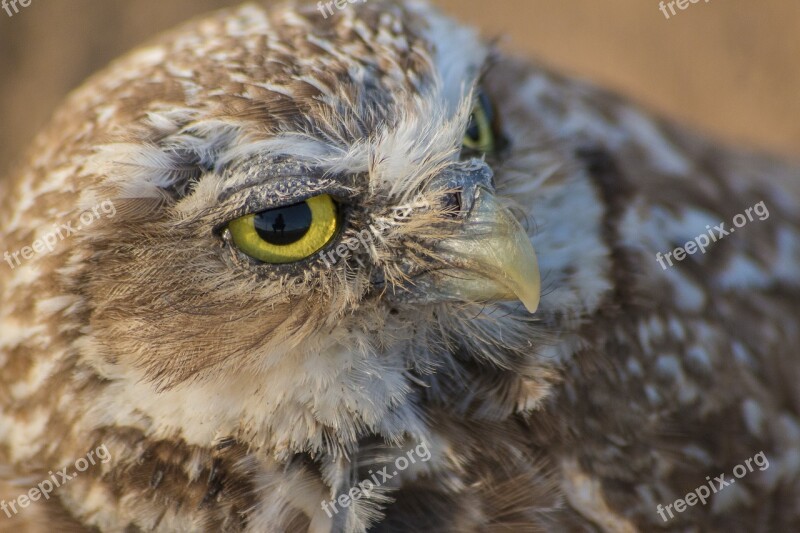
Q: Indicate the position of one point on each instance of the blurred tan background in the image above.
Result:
(728, 67)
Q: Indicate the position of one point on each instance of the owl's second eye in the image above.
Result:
(483, 133)
(286, 234)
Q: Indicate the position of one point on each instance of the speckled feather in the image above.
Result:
(234, 397)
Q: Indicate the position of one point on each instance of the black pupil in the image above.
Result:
(284, 225)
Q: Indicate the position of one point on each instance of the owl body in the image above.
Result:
(233, 394)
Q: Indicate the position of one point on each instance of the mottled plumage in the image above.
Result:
(234, 396)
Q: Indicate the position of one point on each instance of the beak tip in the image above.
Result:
(530, 300)
(531, 307)
(503, 257)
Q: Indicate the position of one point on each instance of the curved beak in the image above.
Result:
(491, 259)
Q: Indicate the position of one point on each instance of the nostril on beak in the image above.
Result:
(451, 203)
(458, 185)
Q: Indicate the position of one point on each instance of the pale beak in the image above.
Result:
(491, 259)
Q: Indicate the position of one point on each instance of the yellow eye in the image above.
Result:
(286, 234)
(481, 132)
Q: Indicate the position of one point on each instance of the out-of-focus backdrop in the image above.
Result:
(729, 68)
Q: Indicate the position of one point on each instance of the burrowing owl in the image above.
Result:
(276, 272)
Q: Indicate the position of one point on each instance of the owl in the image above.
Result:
(291, 269)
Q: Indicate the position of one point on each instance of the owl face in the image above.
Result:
(315, 228)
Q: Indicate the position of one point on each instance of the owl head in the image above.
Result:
(314, 227)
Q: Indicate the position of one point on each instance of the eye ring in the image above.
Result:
(287, 234)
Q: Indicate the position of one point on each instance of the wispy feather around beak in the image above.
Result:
(494, 257)
(490, 256)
